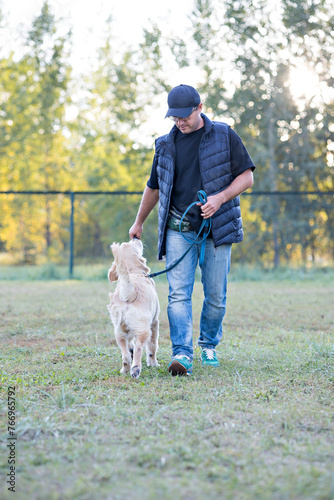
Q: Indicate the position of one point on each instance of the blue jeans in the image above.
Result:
(214, 272)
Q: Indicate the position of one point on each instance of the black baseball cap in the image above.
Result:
(181, 101)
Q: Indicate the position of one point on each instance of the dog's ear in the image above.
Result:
(114, 248)
(142, 264)
(139, 258)
(112, 273)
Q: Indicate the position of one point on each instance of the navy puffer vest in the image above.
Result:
(216, 174)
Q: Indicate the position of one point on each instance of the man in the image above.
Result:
(197, 154)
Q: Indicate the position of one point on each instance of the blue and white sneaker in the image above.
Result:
(209, 357)
(180, 365)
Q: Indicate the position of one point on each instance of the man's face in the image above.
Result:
(191, 123)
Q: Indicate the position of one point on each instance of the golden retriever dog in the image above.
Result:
(134, 306)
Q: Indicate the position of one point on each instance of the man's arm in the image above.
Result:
(238, 186)
(149, 200)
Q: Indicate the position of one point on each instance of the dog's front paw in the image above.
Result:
(135, 372)
(125, 369)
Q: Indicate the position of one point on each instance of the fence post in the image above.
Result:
(72, 235)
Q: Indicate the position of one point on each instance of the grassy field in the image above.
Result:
(259, 426)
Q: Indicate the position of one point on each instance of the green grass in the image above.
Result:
(258, 427)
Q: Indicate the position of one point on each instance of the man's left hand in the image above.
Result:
(211, 206)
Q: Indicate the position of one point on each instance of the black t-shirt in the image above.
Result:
(187, 179)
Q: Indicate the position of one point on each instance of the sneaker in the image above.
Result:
(180, 365)
(209, 357)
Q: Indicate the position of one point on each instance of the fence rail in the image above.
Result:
(73, 194)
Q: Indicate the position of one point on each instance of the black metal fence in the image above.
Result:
(73, 195)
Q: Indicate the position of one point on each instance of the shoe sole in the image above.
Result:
(177, 368)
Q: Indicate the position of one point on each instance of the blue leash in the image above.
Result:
(205, 227)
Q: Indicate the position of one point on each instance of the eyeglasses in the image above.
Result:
(176, 119)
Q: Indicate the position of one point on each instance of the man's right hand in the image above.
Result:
(136, 231)
(149, 200)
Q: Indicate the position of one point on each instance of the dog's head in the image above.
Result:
(128, 258)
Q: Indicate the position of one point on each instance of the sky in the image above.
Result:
(87, 17)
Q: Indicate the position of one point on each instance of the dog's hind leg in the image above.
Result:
(152, 345)
(126, 356)
(137, 354)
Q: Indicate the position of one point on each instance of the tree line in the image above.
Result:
(61, 132)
